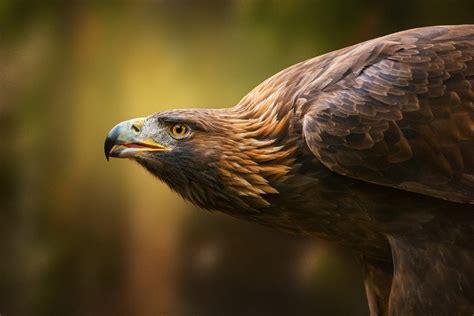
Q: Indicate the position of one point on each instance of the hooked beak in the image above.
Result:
(125, 140)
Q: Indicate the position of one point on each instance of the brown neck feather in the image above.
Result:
(261, 150)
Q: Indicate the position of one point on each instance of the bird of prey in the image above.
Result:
(370, 146)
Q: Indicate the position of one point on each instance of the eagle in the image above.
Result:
(370, 146)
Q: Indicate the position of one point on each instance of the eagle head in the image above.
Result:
(217, 159)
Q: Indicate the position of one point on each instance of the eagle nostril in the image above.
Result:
(135, 128)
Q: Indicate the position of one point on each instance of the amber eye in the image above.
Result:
(179, 130)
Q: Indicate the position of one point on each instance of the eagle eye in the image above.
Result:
(179, 131)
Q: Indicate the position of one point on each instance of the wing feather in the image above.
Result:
(398, 111)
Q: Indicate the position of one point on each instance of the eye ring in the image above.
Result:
(179, 131)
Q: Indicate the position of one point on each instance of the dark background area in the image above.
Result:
(80, 236)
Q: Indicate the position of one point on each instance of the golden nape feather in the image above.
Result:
(254, 156)
(370, 146)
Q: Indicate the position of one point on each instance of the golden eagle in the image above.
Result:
(370, 146)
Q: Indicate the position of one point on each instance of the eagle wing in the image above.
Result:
(397, 111)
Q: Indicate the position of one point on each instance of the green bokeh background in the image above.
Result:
(80, 236)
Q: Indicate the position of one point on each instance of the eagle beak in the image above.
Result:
(125, 140)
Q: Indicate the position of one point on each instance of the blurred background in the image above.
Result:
(80, 236)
